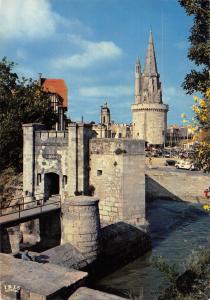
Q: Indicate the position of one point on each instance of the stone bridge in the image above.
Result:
(46, 212)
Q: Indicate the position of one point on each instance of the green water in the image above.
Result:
(177, 229)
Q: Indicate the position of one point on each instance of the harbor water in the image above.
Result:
(178, 230)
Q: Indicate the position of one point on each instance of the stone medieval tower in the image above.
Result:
(149, 112)
(105, 114)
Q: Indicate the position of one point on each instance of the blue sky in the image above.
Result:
(93, 45)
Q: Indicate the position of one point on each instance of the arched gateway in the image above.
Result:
(51, 184)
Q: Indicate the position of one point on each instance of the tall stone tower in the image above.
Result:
(105, 114)
(148, 111)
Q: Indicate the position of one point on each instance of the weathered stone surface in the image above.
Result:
(39, 280)
(150, 122)
(148, 111)
(10, 239)
(81, 225)
(84, 293)
(122, 242)
(119, 179)
(65, 255)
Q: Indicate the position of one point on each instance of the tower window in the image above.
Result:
(65, 179)
(99, 172)
(104, 119)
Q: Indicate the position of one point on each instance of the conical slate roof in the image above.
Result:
(150, 66)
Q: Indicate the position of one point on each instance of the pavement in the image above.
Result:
(159, 164)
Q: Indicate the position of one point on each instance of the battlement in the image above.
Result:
(44, 137)
(150, 106)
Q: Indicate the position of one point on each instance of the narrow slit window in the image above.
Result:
(39, 178)
(65, 179)
(99, 172)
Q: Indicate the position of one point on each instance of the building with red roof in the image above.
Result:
(56, 86)
(58, 92)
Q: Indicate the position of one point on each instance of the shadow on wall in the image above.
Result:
(156, 191)
(165, 212)
(121, 243)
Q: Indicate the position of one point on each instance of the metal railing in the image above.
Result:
(30, 205)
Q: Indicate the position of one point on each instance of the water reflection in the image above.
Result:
(176, 228)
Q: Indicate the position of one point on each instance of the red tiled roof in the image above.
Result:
(57, 86)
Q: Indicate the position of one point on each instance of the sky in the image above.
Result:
(93, 45)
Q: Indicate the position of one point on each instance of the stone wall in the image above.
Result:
(81, 225)
(150, 122)
(61, 153)
(29, 156)
(43, 152)
(117, 175)
(121, 243)
(78, 158)
(26, 280)
(51, 156)
(10, 239)
(175, 185)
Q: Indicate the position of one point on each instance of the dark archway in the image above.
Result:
(51, 184)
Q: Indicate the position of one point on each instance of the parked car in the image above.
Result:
(166, 154)
(170, 162)
(185, 164)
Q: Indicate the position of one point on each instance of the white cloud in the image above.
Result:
(92, 53)
(72, 26)
(34, 19)
(106, 91)
(26, 19)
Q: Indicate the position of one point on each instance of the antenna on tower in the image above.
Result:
(40, 78)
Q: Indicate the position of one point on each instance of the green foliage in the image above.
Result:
(21, 101)
(199, 51)
(193, 284)
(169, 271)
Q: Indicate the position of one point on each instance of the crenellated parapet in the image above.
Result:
(151, 106)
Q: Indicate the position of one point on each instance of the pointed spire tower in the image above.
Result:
(151, 85)
(150, 67)
(149, 112)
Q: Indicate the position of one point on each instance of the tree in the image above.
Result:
(198, 80)
(201, 124)
(21, 101)
(193, 284)
(199, 51)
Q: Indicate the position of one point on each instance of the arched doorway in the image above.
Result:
(51, 184)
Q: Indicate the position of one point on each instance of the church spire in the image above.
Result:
(150, 67)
